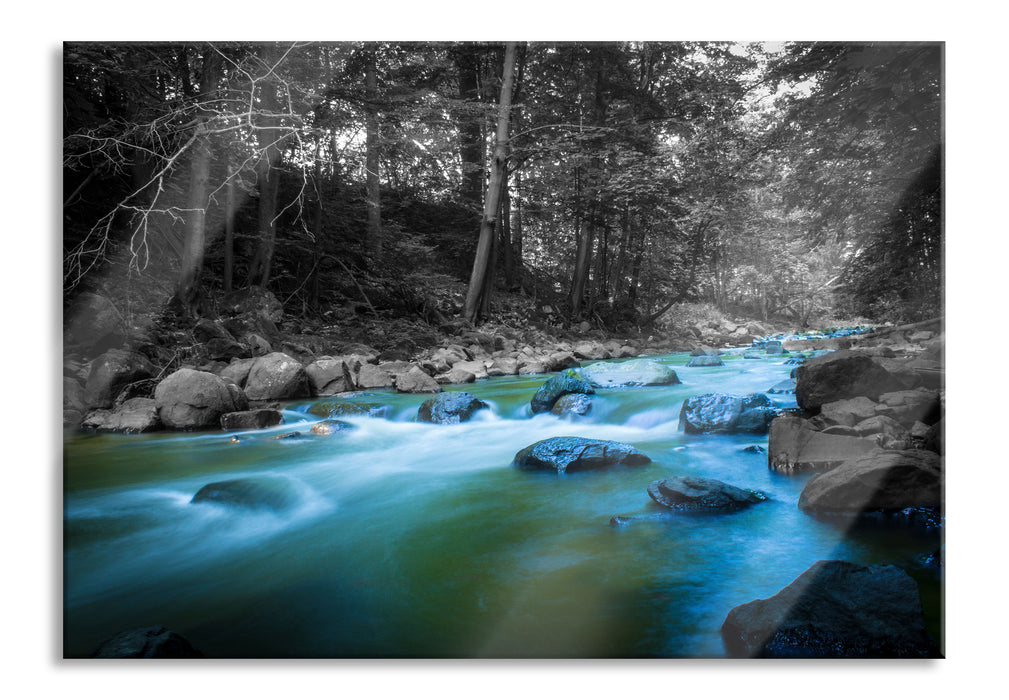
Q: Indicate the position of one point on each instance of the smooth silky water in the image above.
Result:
(418, 540)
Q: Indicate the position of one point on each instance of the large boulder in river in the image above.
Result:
(146, 643)
(881, 481)
(695, 494)
(189, 399)
(641, 372)
(449, 408)
(842, 375)
(572, 454)
(794, 447)
(835, 609)
(277, 376)
(112, 372)
(258, 492)
(566, 382)
(723, 413)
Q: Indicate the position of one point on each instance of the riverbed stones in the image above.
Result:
(695, 494)
(842, 375)
(277, 376)
(189, 399)
(573, 454)
(259, 492)
(640, 372)
(456, 375)
(155, 642)
(111, 372)
(136, 415)
(884, 481)
(237, 371)
(794, 447)
(373, 377)
(909, 406)
(835, 609)
(450, 408)
(256, 419)
(416, 381)
(503, 367)
(566, 382)
(329, 375)
(847, 411)
(724, 413)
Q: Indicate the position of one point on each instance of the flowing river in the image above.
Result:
(417, 540)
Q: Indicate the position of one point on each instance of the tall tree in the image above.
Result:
(499, 164)
(372, 154)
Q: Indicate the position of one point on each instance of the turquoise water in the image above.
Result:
(417, 540)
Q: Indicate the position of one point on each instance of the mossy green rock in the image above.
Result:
(566, 382)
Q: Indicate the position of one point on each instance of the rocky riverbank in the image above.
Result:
(112, 367)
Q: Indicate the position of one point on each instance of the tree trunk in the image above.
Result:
(583, 256)
(229, 229)
(194, 245)
(268, 173)
(372, 156)
(518, 272)
(469, 119)
(490, 211)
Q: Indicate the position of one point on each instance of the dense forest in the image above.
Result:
(527, 183)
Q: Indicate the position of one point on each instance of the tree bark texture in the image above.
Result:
(372, 156)
(481, 261)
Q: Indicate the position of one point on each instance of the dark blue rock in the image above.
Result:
(694, 494)
(566, 382)
(571, 454)
(723, 413)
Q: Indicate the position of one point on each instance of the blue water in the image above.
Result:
(417, 540)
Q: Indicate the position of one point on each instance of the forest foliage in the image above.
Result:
(609, 181)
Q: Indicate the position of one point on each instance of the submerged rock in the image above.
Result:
(450, 407)
(640, 372)
(566, 382)
(705, 361)
(331, 427)
(272, 493)
(723, 413)
(694, 494)
(835, 609)
(146, 643)
(570, 454)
